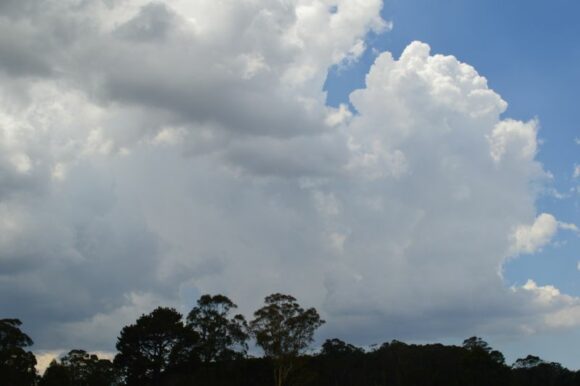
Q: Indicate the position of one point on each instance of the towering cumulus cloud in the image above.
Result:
(153, 151)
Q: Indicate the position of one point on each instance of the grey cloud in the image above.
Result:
(23, 49)
(35, 36)
(297, 157)
(153, 22)
(89, 252)
(17, 8)
(18, 60)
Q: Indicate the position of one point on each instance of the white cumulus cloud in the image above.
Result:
(531, 238)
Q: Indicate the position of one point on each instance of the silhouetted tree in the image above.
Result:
(17, 366)
(221, 337)
(56, 375)
(161, 350)
(88, 369)
(483, 365)
(284, 330)
(534, 371)
(79, 368)
(156, 343)
(336, 347)
(527, 362)
(339, 363)
(476, 344)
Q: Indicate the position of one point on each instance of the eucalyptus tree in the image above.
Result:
(284, 330)
(80, 368)
(155, 344)
(221, 336)
(17, 366)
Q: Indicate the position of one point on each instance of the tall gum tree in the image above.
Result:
(284, 330)
(17, 366)
(157, 342)
(221, 337)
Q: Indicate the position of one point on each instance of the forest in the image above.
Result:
(210, 347)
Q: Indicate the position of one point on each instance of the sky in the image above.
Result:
(409, 168)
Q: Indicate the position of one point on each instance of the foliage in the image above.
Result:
(483, 363)
(56, 375)
(534, 371)
(481, 347)
(156, 343)
(79, 368)
(17, 366)
(527, 362)
(284, 330)
(220, 337)
(159, 349)
(336, 347)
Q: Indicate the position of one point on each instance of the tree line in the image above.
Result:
(209, 347)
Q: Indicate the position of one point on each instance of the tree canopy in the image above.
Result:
(17, 366)
(209, 349)
(155, 343)
(480, 347)
(79, 368)
(283, 329)
(221, 337)
(336, 347)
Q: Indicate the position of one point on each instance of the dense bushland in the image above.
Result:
(209, 348)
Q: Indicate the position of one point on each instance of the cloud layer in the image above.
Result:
(154, 151)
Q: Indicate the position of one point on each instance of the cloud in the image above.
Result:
(152, 152)
(517, 134)
(568, 227)
(43, 359)
(576, 172)
(531, 238)
(561, 310)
